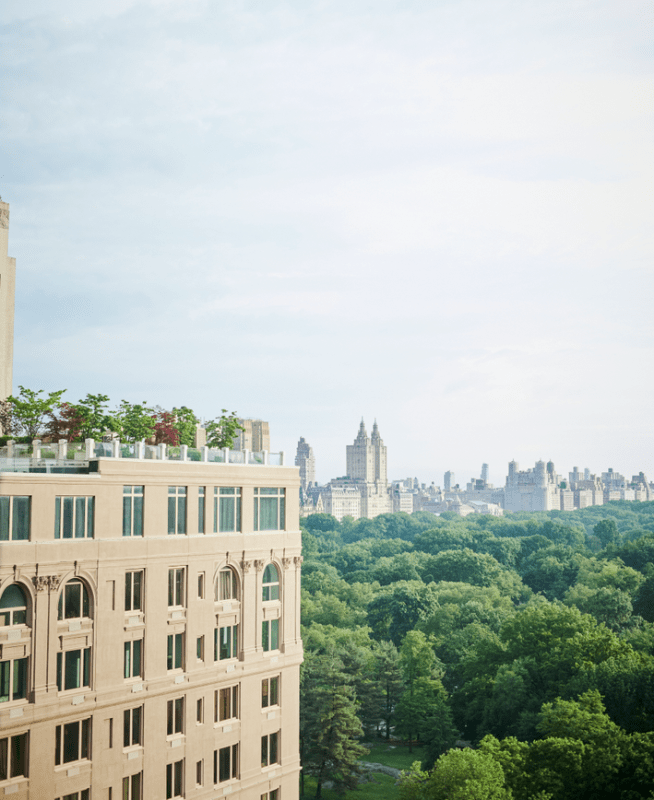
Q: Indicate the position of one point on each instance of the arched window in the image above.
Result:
(270, 583)
(227, 585)
(73, 601)
(13, 606)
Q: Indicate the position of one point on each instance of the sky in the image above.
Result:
(432, 213)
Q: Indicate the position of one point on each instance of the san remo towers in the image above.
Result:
(149, 621)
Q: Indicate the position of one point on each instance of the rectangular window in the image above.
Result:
(227, 586)
(270, 692)
(199, 711)
(74, 517)
(85, 794)
(74, 669)
(270, 749)
(225, 763)
(227, 509)
(270, 634)
(273, 794)
(176, 581)
(225, 704)
(132, 510)
(14, 756)
(269, 509)
(133, 726)
(132, 661)
(174, 780)
(176, 509)
(175, 716)
(134, 591)
(198, 773)
(73, 741)
(133, 787)
(201, 586)
(13, 680)
(225, 644)
(201, 506)
(14, 518)
(175, 656)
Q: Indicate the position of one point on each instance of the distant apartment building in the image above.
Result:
(255, 437)
(534, 489)
(7, 295)
(149, 624)
(305, 460)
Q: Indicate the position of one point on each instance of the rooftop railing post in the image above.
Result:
(10, 448)
(282, 461)
(226, 454)
(115, 448)
(183, 452)
(89, 448)
(246, 456)
(162, 451)
(205, 453)
(140, 449)
(62, 447)
(265, 458)
(36, 448)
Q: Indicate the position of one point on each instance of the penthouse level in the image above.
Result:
(149, 625)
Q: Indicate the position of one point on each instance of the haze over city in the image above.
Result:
(435, 215)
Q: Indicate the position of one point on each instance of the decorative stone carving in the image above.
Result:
(259, 564)
(298, 560)
(42, 582)
(286, 562)
(245, 566)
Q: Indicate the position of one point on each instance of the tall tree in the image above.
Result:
(30, 410)
(222, 430)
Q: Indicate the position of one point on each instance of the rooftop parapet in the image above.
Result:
(75, 457)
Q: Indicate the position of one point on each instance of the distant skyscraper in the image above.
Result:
(484, 473)
(305, 460)
(7, 292)
(255, 437)
(448, 481)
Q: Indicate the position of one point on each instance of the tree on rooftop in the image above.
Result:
(29, 409)
(222, 430)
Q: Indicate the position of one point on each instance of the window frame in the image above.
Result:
(175, 779)
(84, 669)
(84, 601)
(13, 677)
(84, 737)
(78, 530)
(133, 507)
(12, 757)
(228, 757)
(270, 635)
(133, 665)
(177, 587)
(128, 787)
(270, 698)
(225, 643)
(177, 510)
(131, 591)
(14, 609)
(232, 695)
(175, 716)
(270, 749)
(227, 505)
(133, 726)
(227, 584)
(11, 523)
(263, 512)
(270, 589)
(175, 653)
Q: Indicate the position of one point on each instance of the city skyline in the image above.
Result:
(436, 217)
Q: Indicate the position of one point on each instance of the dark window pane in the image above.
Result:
(128, 591)
(20, 679)
(172, 506)
(4, 759)
(90, 517)
(80, 508)
(273, 748)
(136, 725)
(127, 516)
(126, 716)
(20, 526)
(137, 591)
(274, 684)
(4, 521)
(181, 515)
(57, 517)
(18, 755)
(138, 517)
(73, 666)
(68, 518)
(178, 778)
(274, 634)
(136, 657)
(71, 742)
(86, 738)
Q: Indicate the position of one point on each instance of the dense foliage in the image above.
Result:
(529, 637)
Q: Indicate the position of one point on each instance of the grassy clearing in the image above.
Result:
(382, 787)
(394, 755)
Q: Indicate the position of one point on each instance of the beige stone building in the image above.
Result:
(7, 294)
(149, 625)
(255, 437)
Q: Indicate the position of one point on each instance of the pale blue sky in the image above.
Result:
(433, 213)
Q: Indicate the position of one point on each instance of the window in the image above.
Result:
(225, 704)
(133, 787)
(200, 585)
(199, 711)
(176, 509)
(73, 741)
(270, 692)
(198, 773)
(85, 794)
(176, 580)
(132, 726)
(225, 642)
(227, 585)
(199, 648)
(269, 509)
(273, 794)
(174, 779)
(74, 669)
(270, 749)
(132, 661)
(226, 509)
(132, 511)
(175, 717)
(134, 591)
(13, 606)
(270, 634)
(13, 756)
(14, 518)
(270, 583)
(74, 517)
(13, 680)
(225, 763)
(73, 601)
(175, 651)
(201, 504)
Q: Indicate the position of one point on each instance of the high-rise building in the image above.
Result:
(484, 473)
(149, 626)
(7, 295)
(448, 481)
(255, 436)
(305, 460)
